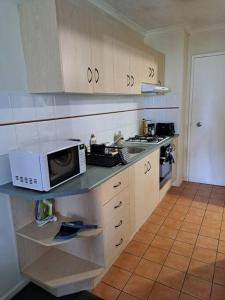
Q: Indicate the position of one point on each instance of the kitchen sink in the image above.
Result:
(135, 150)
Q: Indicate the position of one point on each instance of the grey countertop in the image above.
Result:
(81, 184)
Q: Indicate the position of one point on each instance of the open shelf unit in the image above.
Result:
(44, 235)
(57, 268)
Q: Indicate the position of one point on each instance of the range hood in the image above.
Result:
(148, 88)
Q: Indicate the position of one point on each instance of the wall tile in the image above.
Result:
(8, 139)
(27, 134)
(6, 114)
(23, 107)
(44, 106)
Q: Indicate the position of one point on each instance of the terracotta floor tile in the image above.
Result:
(172, 278)
(196, 211)
(144, 237)
(223, 225)
(150, 227)
(177, 215)
(213, 216)
(220, 260)
(125, 296)
(156, 255)
(211, 223)
(148, 269)
(190, 227)
(222, 235)
(186, 237)
(184, 296)
(161, 211)
(221, 247)
(162, 242)
(106, 292)
(199, 205)
(162, 292)
(167, 232)
(193, 219)
(205, 255)
(136, 248)
(180, 208)
(201, 193)
(156, 219)
(219, 276)
(182, 248)
(166, 205)
(209, 232)
(172, 223)
(116, 277)
(139, 287)
(214, 208)
(201, 270)
(127, 261)
(201, 199)
(207, 242)
(218, 292)
(197, 287)
(177, 262)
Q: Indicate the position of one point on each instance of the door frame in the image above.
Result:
(190, 106)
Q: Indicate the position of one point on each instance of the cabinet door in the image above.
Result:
(135, 69)
(102, 33)
(161, 68)
(144, 189)
(121, 60)
(74, 30)
(147, 61)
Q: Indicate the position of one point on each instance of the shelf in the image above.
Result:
(44, 235)
(57, 268)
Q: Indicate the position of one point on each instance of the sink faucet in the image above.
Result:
(118, 138)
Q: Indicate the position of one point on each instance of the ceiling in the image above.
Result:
(152, 14)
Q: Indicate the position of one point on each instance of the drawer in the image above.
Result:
(115, 206)
(117, 223)
(115, 245)
(113, 186)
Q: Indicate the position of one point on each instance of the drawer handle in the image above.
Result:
(120, 243)
(120, 223)
(118, 205)
(149, 168)
(117, 185)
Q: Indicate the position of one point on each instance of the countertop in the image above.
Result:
(83, 183)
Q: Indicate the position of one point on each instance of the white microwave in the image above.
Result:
(43, 166)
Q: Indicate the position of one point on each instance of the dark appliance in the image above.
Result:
(166, 161)
(165, 129)
(151, 129)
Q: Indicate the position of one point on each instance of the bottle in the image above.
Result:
(93, 139)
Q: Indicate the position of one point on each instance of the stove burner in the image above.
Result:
(147, 139)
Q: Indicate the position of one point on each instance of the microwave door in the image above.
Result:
(63, 165)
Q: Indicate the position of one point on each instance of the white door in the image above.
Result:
(207, 128)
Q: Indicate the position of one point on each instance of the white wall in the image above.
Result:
(173, 42)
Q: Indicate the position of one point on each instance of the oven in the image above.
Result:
(166, 161)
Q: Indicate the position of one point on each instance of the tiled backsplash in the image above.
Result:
(20, 107)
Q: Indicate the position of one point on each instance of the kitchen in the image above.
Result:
(37, 105)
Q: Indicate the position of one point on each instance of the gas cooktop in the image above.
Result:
(147, 139)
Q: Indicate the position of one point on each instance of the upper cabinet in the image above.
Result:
(71, 46)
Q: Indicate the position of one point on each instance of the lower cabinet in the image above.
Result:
(144, 189)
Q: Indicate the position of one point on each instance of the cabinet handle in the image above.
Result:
(120, 243)
(150, 70)
(96, 75)
(132, 80)
(146, 169)
(149, 168)
(120, 223)
(89, 75)
(118, 205)
(117, 185)
(128, 80)
(153, 72)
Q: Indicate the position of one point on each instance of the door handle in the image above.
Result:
(118, 205)
(118, 225)
(146, 169)
(153, 72)
(199, 124)
(149, 168)
(117, 185)
(120, 243)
